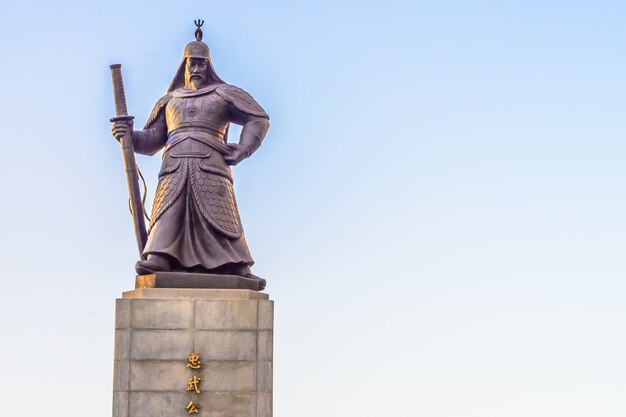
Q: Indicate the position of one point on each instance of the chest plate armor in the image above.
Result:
(207, 113)
(203, 119)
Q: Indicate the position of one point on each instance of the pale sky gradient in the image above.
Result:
(439, 207)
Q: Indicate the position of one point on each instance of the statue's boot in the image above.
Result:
(154, 263)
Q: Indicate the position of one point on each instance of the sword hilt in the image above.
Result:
(118, 90)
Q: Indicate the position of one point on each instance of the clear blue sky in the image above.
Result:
(439, 206)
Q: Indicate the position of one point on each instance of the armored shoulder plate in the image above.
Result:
(241, 100)
(158, 107)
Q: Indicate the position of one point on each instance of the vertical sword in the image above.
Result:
(128, 152)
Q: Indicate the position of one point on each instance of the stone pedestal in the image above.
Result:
(156, 330)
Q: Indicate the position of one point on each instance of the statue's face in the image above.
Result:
(196, 70)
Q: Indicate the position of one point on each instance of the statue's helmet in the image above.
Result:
(195, 49)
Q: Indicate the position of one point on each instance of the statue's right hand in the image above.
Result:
(120, 127)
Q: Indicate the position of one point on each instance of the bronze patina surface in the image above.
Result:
(194, 225)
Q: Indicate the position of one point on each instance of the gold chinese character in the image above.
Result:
(192, 407)
(194, 384)
(194, 361)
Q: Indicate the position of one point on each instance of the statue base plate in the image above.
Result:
(195, 280)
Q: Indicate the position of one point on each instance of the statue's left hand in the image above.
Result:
(238, 153)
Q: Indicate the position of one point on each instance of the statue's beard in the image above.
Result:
(195, 83)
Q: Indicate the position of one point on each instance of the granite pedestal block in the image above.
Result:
(156, 330)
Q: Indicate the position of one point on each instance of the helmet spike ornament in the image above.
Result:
(198, 32)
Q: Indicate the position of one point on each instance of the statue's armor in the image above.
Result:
(193, 160)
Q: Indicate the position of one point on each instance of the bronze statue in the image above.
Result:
(195, 225)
